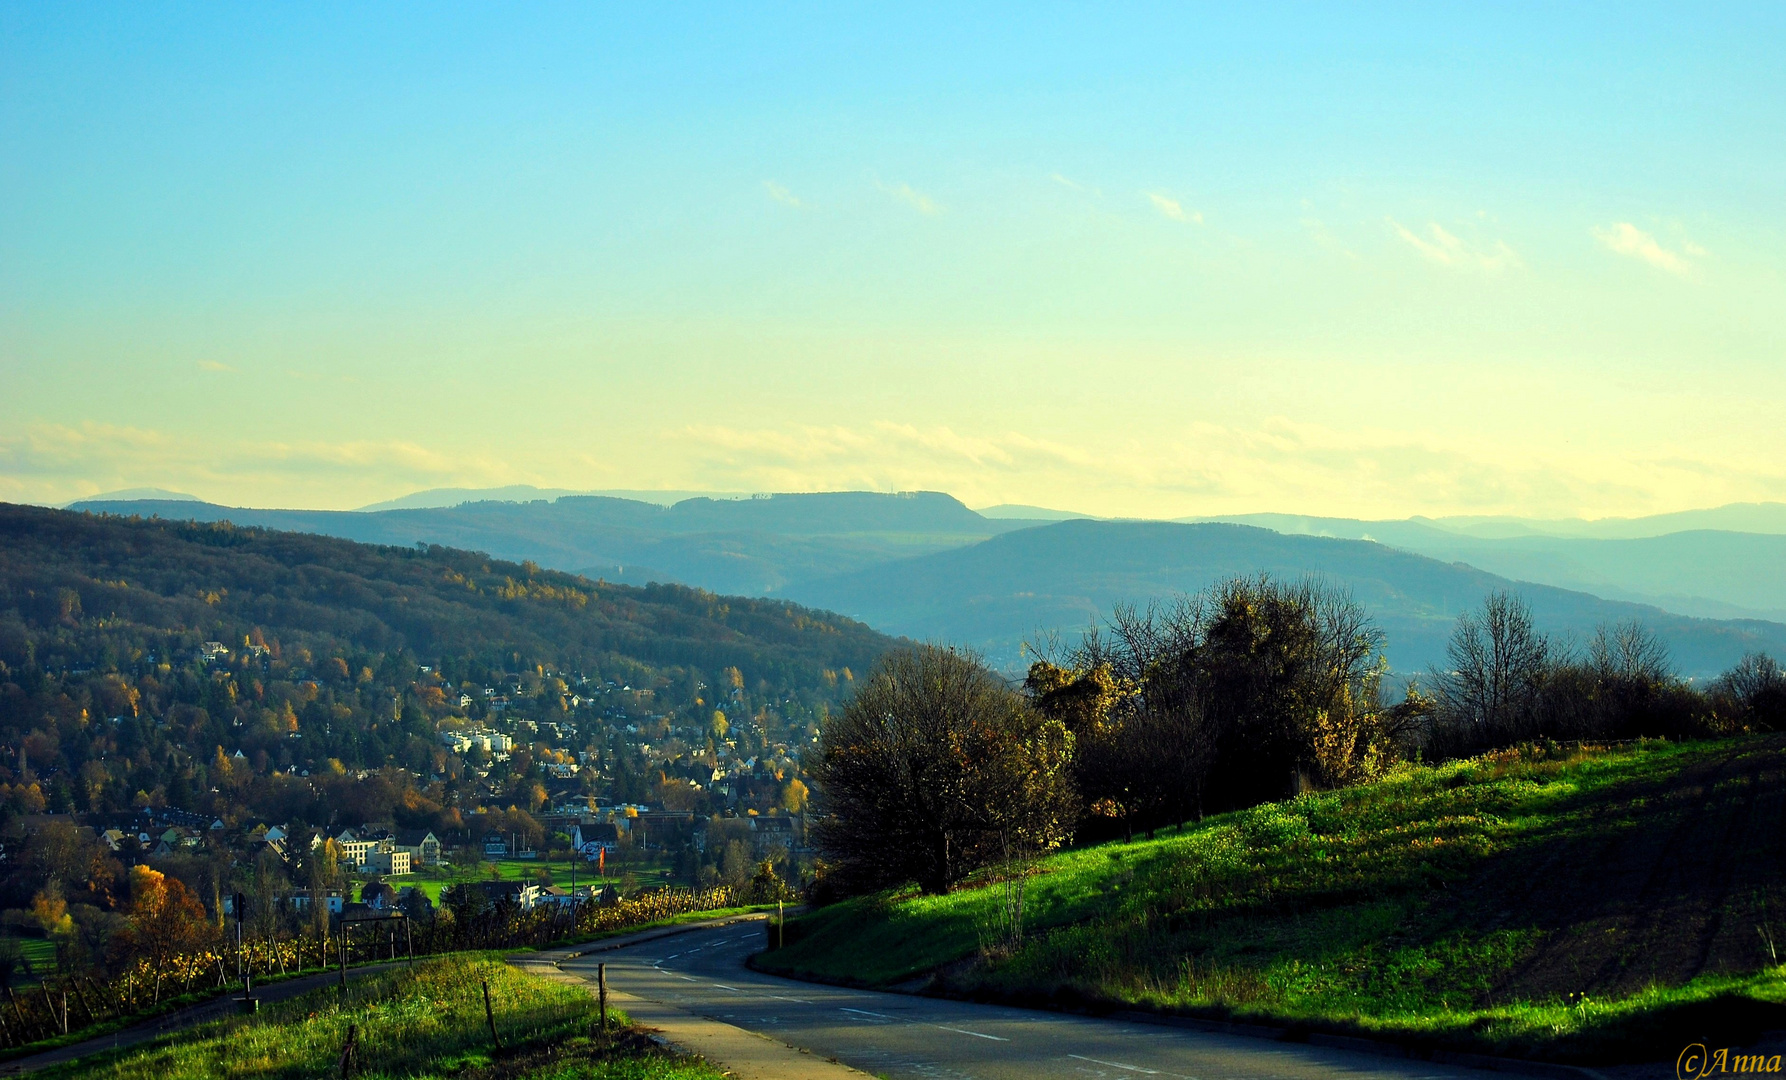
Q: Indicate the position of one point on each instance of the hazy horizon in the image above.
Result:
(436, 498)
(1143, 262)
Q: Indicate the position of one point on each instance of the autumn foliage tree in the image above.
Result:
(937, 768)
(1141, 749)
(1248, 691)
(164, 920)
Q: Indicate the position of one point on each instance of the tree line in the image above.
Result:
(1253, 690)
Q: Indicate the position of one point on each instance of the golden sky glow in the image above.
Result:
(1152, 267)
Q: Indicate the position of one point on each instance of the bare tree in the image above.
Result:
(935, 769)
(1498, 662)
(1629, 652)
(1753, 692)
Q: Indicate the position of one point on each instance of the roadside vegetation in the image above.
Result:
(1549, 900)
(422, 1023)
(1587, 864)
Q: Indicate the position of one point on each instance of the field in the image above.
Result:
(40, 953)
(432, 880)
(1566, 903)
(429, 1022)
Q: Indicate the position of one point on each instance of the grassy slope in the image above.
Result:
(421, 1024)
(1576, 905)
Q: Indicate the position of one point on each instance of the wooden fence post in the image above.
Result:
(18, 1011)
(50, 1004)
(81, 996)
(347, 1052)
(490, 1016)
(601, 987)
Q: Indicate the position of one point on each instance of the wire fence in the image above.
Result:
(65, 1005)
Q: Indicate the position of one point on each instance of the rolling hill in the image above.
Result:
(998, 593)
(1709, 572)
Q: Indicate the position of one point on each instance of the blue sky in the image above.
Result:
(1360, 260)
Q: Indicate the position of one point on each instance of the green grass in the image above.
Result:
(428, 1022)
(1571, 904)
(40, 953)
(432, 880)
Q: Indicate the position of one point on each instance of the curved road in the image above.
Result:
(901, 1036)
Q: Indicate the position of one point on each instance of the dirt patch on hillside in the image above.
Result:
(1657, 881)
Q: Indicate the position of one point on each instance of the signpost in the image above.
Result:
(244, 970)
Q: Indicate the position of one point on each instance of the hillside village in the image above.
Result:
(604, 739)
(315, 724)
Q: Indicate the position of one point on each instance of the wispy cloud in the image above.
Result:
(1172, 208)
(912, 197)
(212, 365)
(1322, 235)
(1447, 249)
(781, 194)
(1064, 182)
(1626, 239)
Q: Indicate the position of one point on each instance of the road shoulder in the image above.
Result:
(744, 1054)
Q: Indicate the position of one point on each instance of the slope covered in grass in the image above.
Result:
(429, 1022)
(1561, 902)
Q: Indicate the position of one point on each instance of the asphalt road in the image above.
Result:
(901, 1036)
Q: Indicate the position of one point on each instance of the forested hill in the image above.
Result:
(345, 651)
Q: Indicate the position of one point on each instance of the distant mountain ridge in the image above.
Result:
(138, 495)
(441, 497)
(884, 557)
(752, 546)
(1703, 572)
(1060, 577)
(1761, 517)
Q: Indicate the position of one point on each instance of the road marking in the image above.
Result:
(778, 997)
(685, 978)
(975, 1034)
(865, 1012)
(733, 989)
(672, 956)
(1116, 1065)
